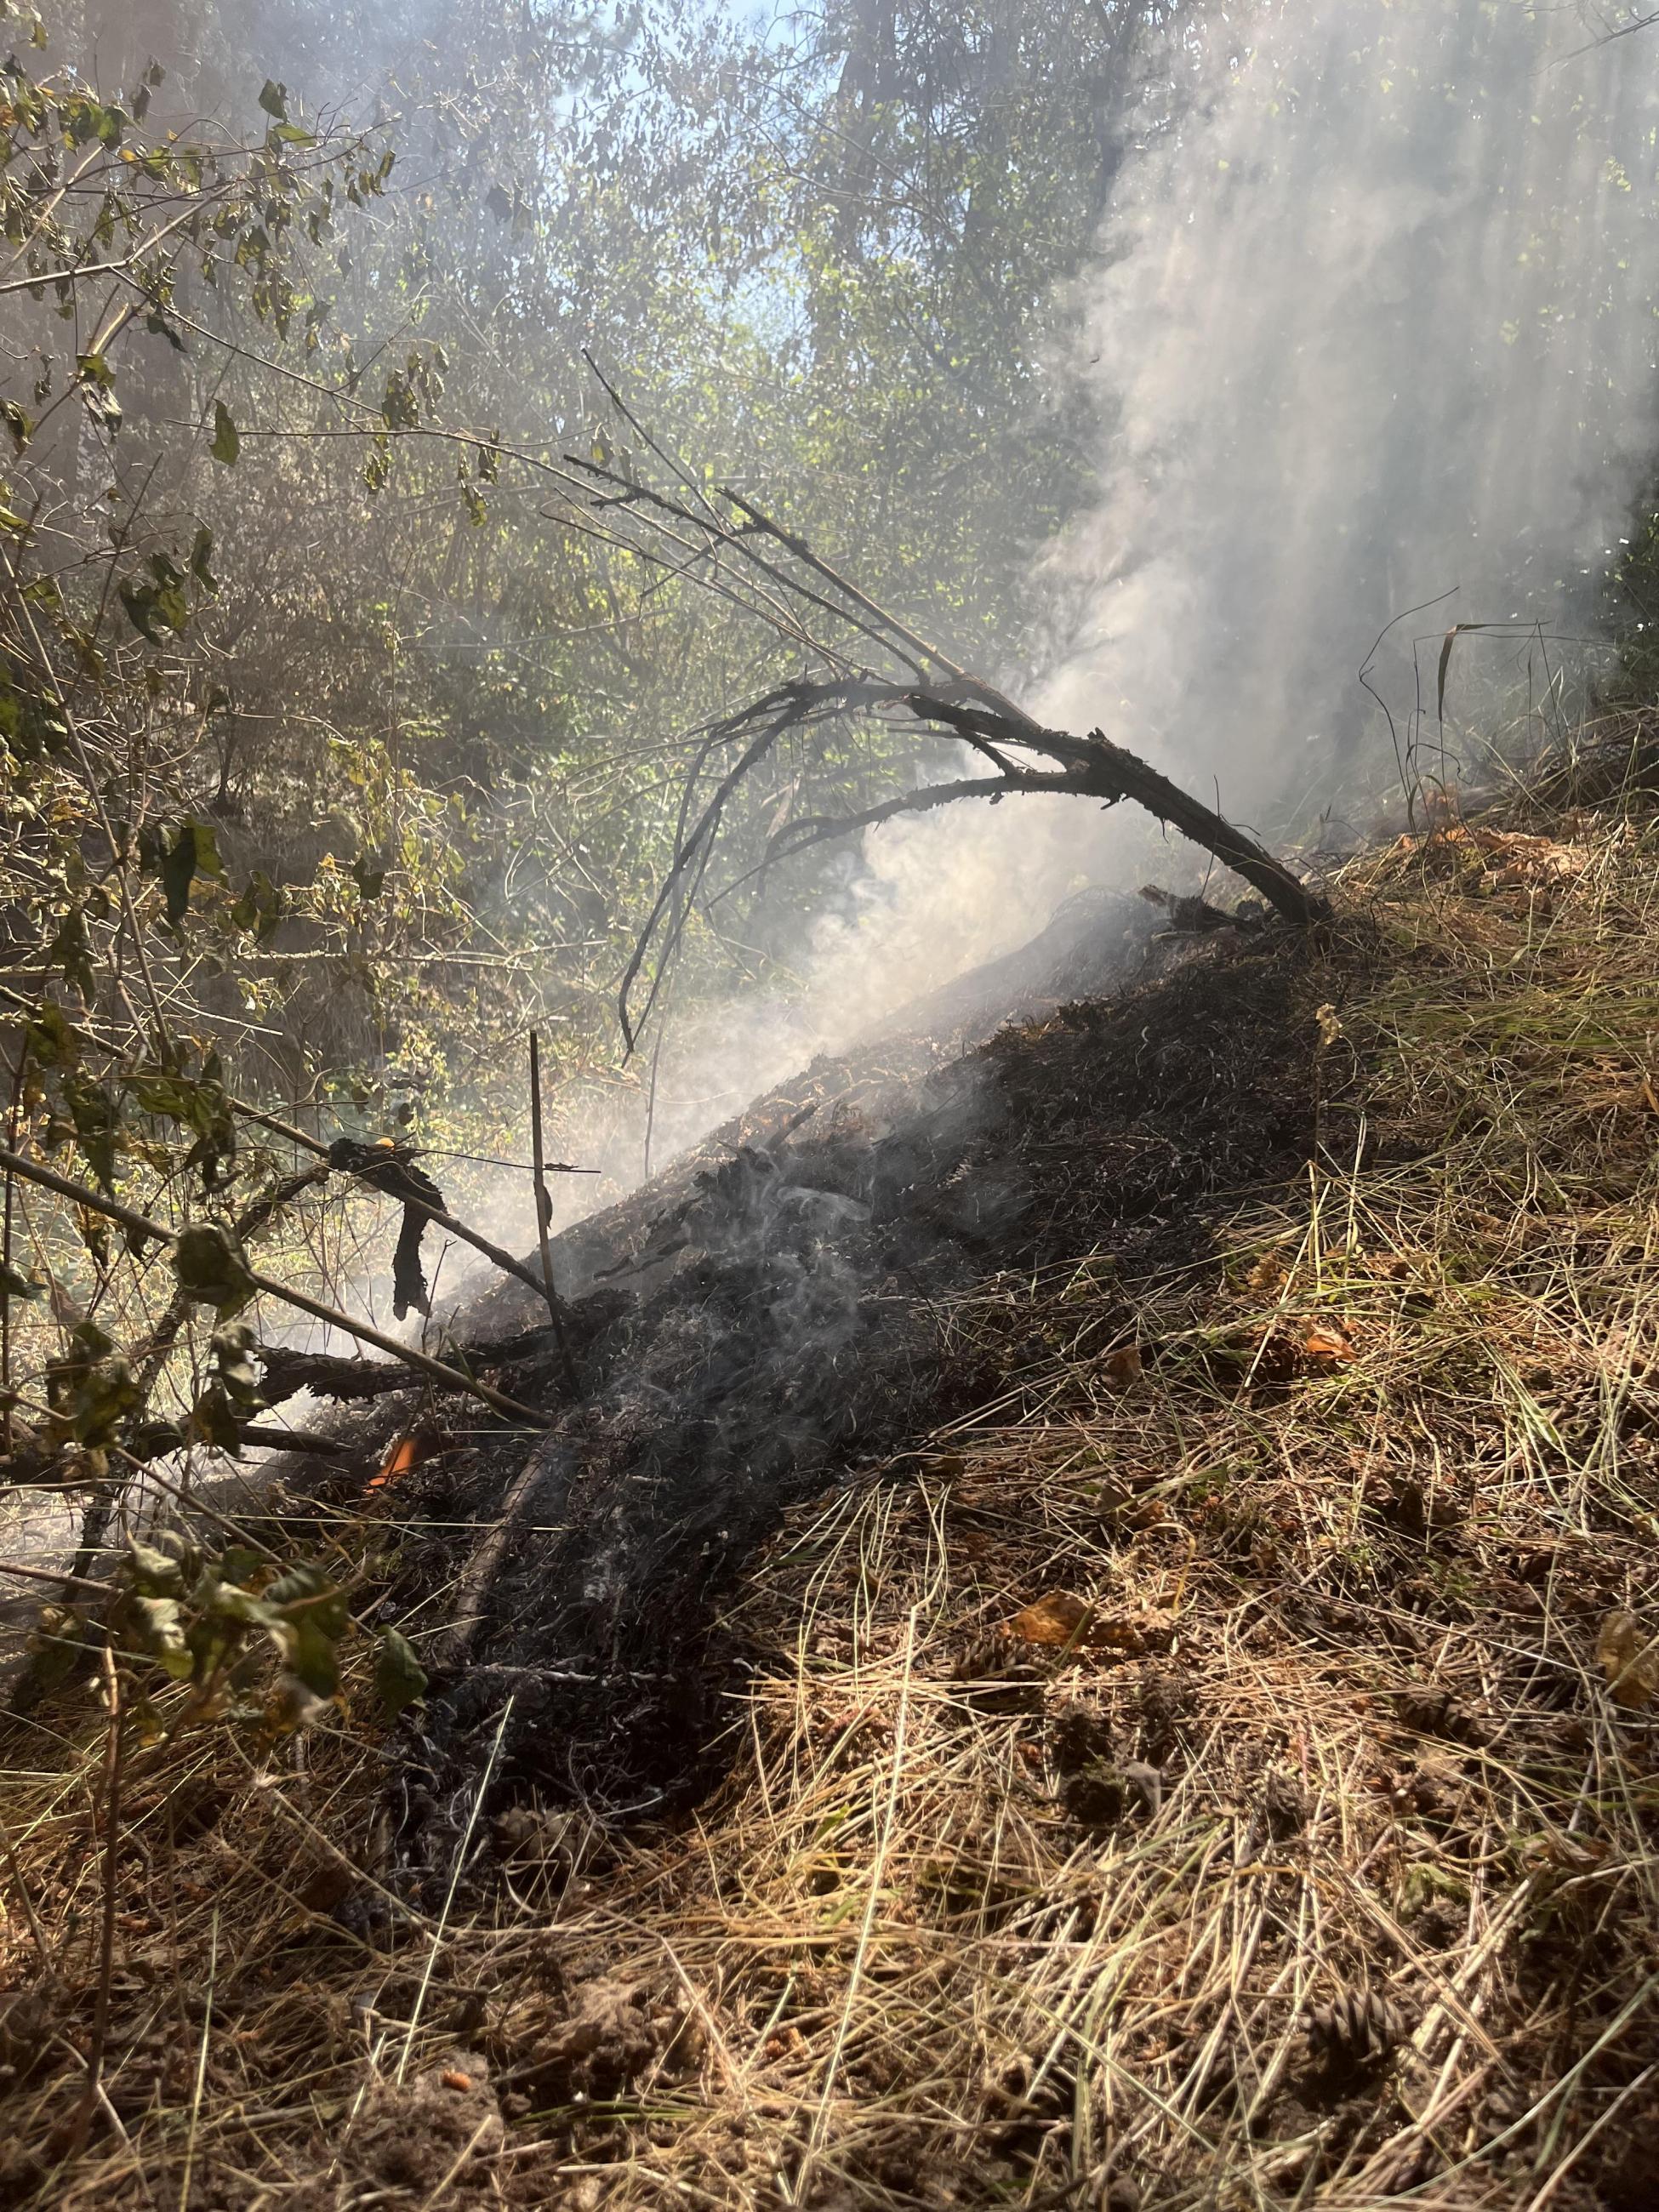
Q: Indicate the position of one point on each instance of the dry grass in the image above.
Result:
(976, 1919)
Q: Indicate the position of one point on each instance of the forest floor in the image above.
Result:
(1208, 1757)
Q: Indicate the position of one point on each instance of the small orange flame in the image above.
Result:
(398, 1460)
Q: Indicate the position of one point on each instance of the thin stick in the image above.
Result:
(21, 1888)
(543, 1211)
(5, 1248)
(106, 1931)
(201, 2064)
(142, 1225)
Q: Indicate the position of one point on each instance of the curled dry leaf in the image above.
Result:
(1327, 1343)
(1061, 1618)
(1058, 1618)
(1630, 1660)
(1122, 1367)
(1285, 1804)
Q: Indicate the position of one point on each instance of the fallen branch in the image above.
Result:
(327, 1375)
(743, 554)
(1084, 767)
(295, 1440)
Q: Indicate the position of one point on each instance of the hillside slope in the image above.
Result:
(1186, 1741)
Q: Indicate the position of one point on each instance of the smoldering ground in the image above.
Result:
(789, 1304)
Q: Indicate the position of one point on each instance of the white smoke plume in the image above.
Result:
(1376, 324)
(1373, 322)
(1373, 325)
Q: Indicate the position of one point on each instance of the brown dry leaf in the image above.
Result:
(1646, 1098)
(1516, 860)
(1388, 1267)
(1327, 1341)
(1268, 1273)
(1630, 1660)
(1061, 1618)
(1135, 1633)
(1122, 1367)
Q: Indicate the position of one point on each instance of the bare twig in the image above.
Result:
(544, 1212)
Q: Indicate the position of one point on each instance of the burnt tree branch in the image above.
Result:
(753, 561)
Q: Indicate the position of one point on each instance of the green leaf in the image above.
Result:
(200, 553)
(160, 1623)
(140, 603)
(234, 1357)
(215, 1421)
(194, 852)
(399, 1677)
(15, 1285)
(155, 1573)
(310, 1617)
(173, 607)
(208, 1263)
(102, 1398)
(52, 1037)
(273, 98)
(260, 906)
(94, 1109)
(227, 440)
(70, 953)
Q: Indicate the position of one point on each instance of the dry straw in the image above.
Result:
(1308, 1863)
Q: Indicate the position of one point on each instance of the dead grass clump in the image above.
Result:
(1210, 1779)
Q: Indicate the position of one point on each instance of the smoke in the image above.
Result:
(1375, 327)
(1372, 324)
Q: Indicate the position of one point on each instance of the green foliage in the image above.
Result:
(399, 1678)
(227, 442)
(206, 1619)
(211, 1268)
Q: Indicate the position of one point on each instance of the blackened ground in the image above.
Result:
(767, 1323)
